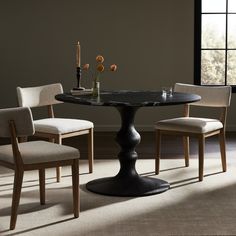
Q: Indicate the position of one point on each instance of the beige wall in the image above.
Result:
(151, 41)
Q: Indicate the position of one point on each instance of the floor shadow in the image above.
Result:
(183, 180)
(192, 180)
(151, 173)
(26, 208)
(64, 199)
(94, 201)
(174, 168)
(84, 173)
(27, 181)
(184, 184)
(38, 227)
(23, 187)
(4, 185)
(202, 212)
(7, 175)
(215, 173)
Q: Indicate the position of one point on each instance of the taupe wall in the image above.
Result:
(151, 41)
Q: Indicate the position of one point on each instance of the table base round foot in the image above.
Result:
(128, 187)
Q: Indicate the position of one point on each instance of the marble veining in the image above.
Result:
(129, 98)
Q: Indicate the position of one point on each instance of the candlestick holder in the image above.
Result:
(78, 75)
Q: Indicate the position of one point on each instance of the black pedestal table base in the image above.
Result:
(127, 182)
(128, 187)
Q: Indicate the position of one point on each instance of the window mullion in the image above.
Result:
(226, 43)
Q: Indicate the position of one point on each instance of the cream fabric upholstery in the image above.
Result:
(190, 124)
(43, 96)
(212, 96)
(38, 96)
(61, 126)
(39, 152)
(34, 155)
(55, 129)
(22, 117)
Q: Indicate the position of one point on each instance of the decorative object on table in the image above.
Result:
(78, 69)
(96, 74)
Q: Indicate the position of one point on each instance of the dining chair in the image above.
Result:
(55, 129)
(34, 155)
(211, 96)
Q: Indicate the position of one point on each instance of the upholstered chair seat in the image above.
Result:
(39, 152)
(61, 125)
(190, 124)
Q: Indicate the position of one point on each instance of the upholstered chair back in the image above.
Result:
(211, 96)
(22, 118)
(38, 96)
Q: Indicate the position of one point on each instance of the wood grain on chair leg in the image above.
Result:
(75, 187)
(222, 150)
(90, 150)
(58, 140)
(158, 152)
(42, 186)
(18, 179)
(201, 143)
(186, 150)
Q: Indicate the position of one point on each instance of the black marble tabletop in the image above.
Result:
(129, 98)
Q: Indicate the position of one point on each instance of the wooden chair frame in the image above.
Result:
(19, 167)
(201, 142)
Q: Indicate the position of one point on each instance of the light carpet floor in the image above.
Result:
(188, 208)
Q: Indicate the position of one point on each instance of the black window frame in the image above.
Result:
(198, 42)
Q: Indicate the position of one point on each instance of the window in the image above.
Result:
(215, 42)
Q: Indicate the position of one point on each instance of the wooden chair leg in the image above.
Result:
(18, 179)
(90, 150)
(42, 186)
(75, 187)
(186, 150)
(201, 143)
(58, 140)
(58, 174)
(222, 150)
(158, 152)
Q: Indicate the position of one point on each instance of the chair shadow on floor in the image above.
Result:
(24, 187)
(179, 183)
(185, 182)
(36, 228)
(152, 173)
(58, 196)
(95, 200)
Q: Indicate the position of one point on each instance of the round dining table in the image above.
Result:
(127, 182)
